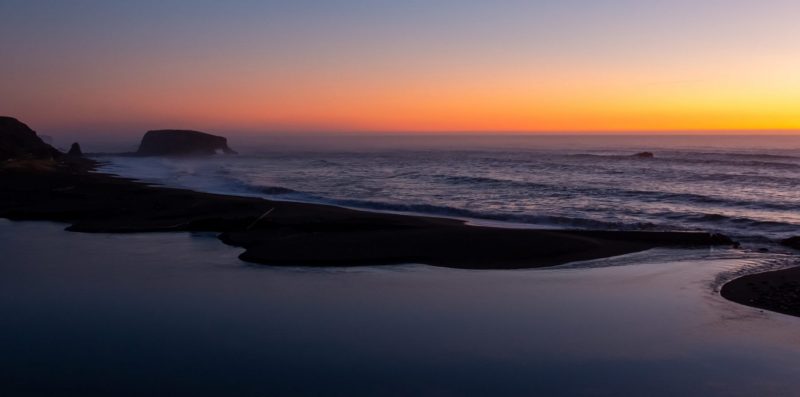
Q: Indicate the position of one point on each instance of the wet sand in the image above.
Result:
(778, 291)
(287, 233)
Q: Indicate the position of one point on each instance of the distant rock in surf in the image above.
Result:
(644, 155)
(75, 150)
(18, 141)
(792, 242)
(182, 143)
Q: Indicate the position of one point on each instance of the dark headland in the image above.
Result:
(43, 185)
(18, 141)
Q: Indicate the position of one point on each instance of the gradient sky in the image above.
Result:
(350, 65)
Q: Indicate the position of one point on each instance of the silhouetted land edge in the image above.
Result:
(778, 291)
(299, 234)
(38, 182)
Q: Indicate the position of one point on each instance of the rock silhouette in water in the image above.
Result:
(75, 150)
(793, 242)
(644, 155)
(182, 143)
(18, 141)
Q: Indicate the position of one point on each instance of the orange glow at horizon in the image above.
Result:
(627, 67)
(513, 103)
(496, 98)
(462, 107)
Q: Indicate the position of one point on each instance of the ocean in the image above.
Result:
(741, 186)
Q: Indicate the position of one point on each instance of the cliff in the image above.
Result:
(18, 141)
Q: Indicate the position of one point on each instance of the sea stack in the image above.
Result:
(18, 141)
(75, 150)
(182, 143)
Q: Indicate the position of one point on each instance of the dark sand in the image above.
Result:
(778, 291)
(301, 234)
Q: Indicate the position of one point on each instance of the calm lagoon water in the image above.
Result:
(178, 314)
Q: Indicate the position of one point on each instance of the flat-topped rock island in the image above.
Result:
(182, 143)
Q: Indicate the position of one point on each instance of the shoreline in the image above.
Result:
(302, 234)
(778, 291)
(290, 233)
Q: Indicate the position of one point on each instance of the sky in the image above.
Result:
(120, 67)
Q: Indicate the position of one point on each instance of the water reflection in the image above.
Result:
(132, 314)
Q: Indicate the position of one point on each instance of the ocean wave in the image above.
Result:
(554, 190)
(734, 155)
(558, 189)
(748, 163)
(746, 229)
(739, 221)
(455, 212)
(739, 227)
(729, 224)
(695, 158)
(275, 190)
